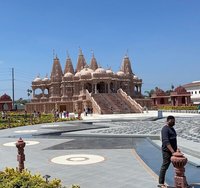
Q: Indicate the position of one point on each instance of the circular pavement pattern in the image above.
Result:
(26, 131)
(28, 143)
(77, 159)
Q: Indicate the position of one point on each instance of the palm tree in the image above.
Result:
(149, 93)
(172, 87)
(29, 91)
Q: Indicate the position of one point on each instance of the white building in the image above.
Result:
(194, 89)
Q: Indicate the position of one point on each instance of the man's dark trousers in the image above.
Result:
(165, 165)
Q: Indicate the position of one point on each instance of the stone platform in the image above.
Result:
(114, 151)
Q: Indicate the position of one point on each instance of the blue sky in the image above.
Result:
(162, 38)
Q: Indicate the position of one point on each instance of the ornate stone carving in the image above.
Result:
(20, 157)
(179, 162)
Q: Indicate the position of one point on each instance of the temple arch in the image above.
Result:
(38, 91)
(88, 86)
(46, 91)
(101, 87)
(112, 88)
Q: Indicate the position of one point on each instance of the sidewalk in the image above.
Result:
(117, 168)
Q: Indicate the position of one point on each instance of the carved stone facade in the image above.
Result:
(70, 90)
(5, 103)
(178, 97)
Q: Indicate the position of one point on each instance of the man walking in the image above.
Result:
(169, 146)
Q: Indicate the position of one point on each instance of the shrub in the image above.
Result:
(178, 107)
(17, 119)
(12, 178)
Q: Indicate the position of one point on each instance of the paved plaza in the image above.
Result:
(117, 151)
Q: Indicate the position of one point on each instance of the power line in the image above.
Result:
(6, 80)
(24, 81)
(8, 89)
(24, 73)
(13, 87)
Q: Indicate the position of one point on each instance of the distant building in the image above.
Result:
(5, 103)
(88, 86)
(178, 97)
(194, 89)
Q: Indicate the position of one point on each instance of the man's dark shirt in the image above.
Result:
(168, 137)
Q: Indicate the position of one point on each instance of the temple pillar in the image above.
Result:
(108, 87)
(140, 88)
(92, 88)
(64, 90)
(42, 92)
(186, 100)
(95, 88)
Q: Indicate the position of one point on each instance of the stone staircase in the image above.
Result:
(113, 103)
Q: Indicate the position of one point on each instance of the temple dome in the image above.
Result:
(37, 79)
(180, 89)
(68, 75)
(45, 79)
(86, 71)
(109, 71)
(5, 97)
(120, 73)
(100, 71)
(159, 92)
(78, 74)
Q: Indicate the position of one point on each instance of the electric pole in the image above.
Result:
(13, 89)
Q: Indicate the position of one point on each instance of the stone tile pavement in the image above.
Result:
(120, 168)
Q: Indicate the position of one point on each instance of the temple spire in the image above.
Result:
(80, 51)
(56, 73)
(69, 66)
(126, 65)
(68, 55)
(126, 54)
(93, 63)
(81, 61)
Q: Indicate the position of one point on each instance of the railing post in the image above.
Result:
(20, 157)
(79, 114)
(179, 161)
(8, 121)
(31, 119)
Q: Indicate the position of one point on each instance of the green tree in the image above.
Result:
(172, 87)
(149, 93)
(29, 91)
(21, 101)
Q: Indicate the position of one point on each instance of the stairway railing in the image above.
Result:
(130, 100)
(95, 106)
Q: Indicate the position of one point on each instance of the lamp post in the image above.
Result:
(46, 177)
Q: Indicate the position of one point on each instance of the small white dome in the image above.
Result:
(68, 75)
(78, 74)
(37, 79)
(120, 73)
(100, 70)
(86, 71)
(135, 77)
(45, 79)
(109, 71)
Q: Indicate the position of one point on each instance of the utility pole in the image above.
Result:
(13, 89)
